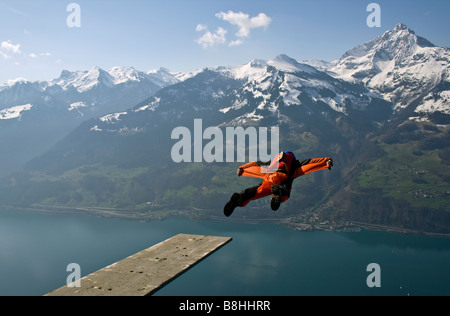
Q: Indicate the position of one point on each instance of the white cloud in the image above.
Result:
(211, 39)
(34, 56)
(236, 43)
(5, 56)
(244, 22)
(10, 47)
(201, 28)
(10, 51)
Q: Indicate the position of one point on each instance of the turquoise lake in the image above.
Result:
(262, 259)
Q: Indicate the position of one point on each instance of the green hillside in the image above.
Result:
(405, 183)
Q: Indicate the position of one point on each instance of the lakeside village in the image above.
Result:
(308, 220)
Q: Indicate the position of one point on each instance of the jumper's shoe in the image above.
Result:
(275, 201)
(232, 204)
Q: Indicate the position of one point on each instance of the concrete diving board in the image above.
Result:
(149, 270)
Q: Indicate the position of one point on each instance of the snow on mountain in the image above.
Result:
(94, 77)
(257, 70)
(84, 81)
(14, 112)
(400, 66)
(321, 65)
(111, 118)
(67, 79)
(151, 105)
(19, 92)
(87, 93)
(78, 106)
(435, 102)
(122, 75)
(288, 64)
(165, 77)
(256, 91)
(162, 77)
(12, 82)
(291, 79)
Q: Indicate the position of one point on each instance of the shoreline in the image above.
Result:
(161, 214)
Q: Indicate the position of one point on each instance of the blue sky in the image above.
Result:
(183, 35)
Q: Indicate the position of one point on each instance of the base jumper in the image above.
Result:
(277, 176)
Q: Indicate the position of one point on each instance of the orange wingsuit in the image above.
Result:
(277, 179)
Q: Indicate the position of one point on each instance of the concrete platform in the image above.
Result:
(149, 270)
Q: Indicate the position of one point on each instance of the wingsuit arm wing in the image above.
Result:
(254, 169)
(257, 169)
(311, 165)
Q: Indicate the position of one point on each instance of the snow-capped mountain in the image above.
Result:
(164, 77)
(90, 93)
(87, 80)
(403, 68)
(295, 84)
(248, 94)
(34, 115)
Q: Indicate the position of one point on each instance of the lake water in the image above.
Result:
(262, 260)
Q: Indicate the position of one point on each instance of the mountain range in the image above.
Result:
(34, 115)
(381, 111)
